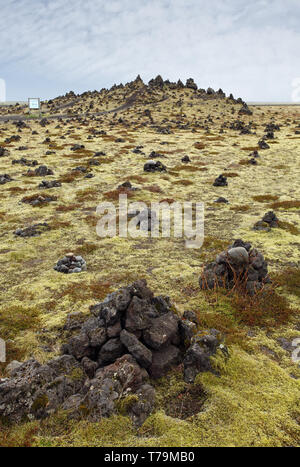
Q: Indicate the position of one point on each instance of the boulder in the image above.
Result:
(138, 350)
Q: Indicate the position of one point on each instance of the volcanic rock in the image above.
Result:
(70, 264)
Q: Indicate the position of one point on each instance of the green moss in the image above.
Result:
(125, 404)
(40, 403)
(77, 374)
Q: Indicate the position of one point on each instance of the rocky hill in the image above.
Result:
(154, 142)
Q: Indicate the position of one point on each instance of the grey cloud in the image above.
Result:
(249, 48)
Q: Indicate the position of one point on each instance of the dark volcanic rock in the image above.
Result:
(198, 356)
(138, 350)
(3, 152)
(49, 184)
(40, 171)
(239, 264)
(110, 351)
(154, 166)
(70, 264)
(162, 331)
(103, 362)
(35, 390)
(33, 230)
(268, 221)
(220, 181)
(163, 360)
(190, 83)
(4, 178)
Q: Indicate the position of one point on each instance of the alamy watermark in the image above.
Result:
(2, 351)
(161, 220)
(296, 90)
(2, 90)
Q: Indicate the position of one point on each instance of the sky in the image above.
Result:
(249, 48)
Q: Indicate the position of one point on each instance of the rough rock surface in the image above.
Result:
(268, 221)
(70, 264)
(154, 166)
(33, 230)
(129, 338)
(241, 264)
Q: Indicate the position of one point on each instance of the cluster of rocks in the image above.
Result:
(70, 263)
(49, 184)
(24, 161)
(185, 159)
(239, 265)
(221, 180)
(4, 178)
(40, 171)
(12, 139)
(3, 151)
(263, 144)
(37, 200)
(245, 110)
(33, 230)
(154, 166)
(130, 337)
(126, 186)
(268, 221)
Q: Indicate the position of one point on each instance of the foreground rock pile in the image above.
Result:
(240, 265)
(110, 358)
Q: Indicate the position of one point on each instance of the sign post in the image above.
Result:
(34, 103)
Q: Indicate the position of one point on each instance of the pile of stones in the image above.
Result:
(37, 200)
(154, 166)
(240, 265)
(4, 178)
(221, 180)
(70, 263)
(268, 221)
(3, 151)
(33, 230)
(24, 161)
(49, 184)
(40, 171)
(129, 338)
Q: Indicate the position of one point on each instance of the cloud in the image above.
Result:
(248, 48)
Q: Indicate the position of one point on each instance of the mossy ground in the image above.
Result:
(255, 402)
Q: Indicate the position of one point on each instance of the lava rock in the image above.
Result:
(198, 356)
(163, 360)
(3, 152)
(154, 166)
(138, 350)
(49, 184)
(4, 178)
(70, 264)
(33, 230)
(221, 180)
(236, 265)
(110, 351)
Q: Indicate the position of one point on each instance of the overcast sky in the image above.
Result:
(250, 48)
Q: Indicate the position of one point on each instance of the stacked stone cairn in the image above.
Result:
(129, 339)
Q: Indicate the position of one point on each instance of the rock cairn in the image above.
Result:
(33, 230)
(4, 178)
(154, 166)
(221, 180)
(268, 221)
(129, 338)
(240, 265)
(70, 263)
